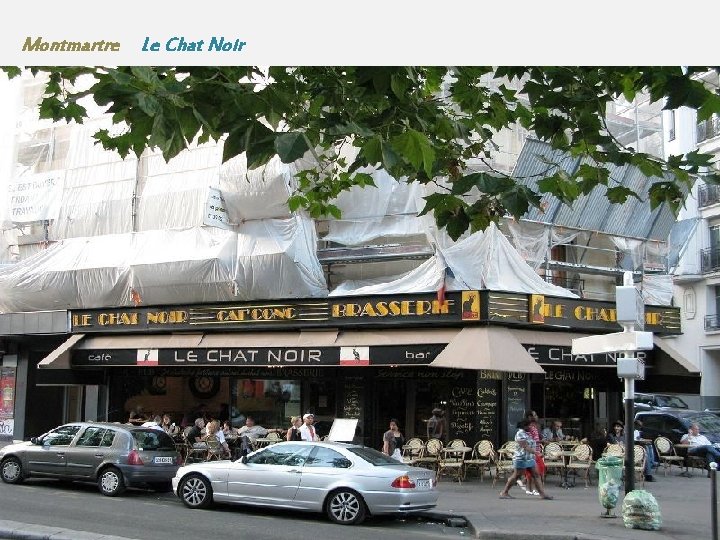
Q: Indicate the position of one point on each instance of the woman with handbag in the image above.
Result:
(393, 441)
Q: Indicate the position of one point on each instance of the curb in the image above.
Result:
(15, 530)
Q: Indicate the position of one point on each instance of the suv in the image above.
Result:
(646, 402)
(674, 423)
(113, 455)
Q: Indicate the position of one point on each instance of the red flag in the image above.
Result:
(442, 290)
(135, 297)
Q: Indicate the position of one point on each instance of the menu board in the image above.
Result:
(352, 405)
(515, 401)
(462, 408)
(488, 391)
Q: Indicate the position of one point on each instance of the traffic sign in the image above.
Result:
(616, 342)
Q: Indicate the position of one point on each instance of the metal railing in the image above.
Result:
(712, 323)
(575, 285)
(708, 195)
(707, 129)
(709, 260)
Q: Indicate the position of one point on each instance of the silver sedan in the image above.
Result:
(345, 481)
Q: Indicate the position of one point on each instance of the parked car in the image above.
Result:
(115, 456)
(674, 423)
(646, 402)
(345, 481)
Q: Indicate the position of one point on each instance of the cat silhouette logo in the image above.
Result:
(354, 356)
(470, 306)
(537, 308)
(147, 357)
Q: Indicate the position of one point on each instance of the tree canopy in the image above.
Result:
(418, 123)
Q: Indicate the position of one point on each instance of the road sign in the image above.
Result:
(617, 342)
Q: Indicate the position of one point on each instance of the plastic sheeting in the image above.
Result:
(484, 260)
(535, 240)
(270, 259)
(657, 289)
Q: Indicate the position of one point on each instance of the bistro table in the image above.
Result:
(682, 450)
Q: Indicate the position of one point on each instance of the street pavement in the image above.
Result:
(575, 512)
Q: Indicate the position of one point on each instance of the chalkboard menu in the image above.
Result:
(353, 399)
(515, 401)
(487, 394)
(462, 408)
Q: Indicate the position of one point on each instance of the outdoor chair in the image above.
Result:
(581, 460)
(483, 455)
(617, 450)
(554, 459)
(430, 454)
(667, 455)
(451, 463)
(503, 461)
(412, 450)
(639, 457)
(214, 448)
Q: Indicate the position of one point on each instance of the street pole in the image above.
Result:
(629, 433)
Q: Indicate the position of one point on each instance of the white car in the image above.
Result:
(345, 481)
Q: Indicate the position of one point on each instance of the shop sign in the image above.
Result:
(260, 356)
(458, 308)
(547, 354)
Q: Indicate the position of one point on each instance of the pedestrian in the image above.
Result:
(307, 430)
(523, 460)
(393, 441)
(293, 432)
(436, 425)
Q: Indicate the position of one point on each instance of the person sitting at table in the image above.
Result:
(293, 432)
(168, 425)
(650, 461)
(228, 430)
(554, 433)
(250, 433)
(213, 428)
(598, 441)
(155, 423)
(307, 430)
(137, 415)
(617, 433)
(193, 434)
(700, 445)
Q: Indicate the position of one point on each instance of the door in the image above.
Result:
(49, 456)
(92, 448)
(271, 476)
(390, 402)
(324, 468)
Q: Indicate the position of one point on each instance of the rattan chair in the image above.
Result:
(667, 455)
(581, 460)
(412, 450)
(430, 454)
(483, 455)
(503, 461)
(639, 457)
(554, 459)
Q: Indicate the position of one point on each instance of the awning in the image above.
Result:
(60, 357)
(666, 346)
(491, 348)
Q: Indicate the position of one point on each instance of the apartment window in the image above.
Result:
(671, 125)
(715, 237)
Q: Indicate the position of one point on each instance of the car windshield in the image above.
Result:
(709, 423)
(153, 439)
(372, 456)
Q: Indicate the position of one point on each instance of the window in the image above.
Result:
(327, 457)
(372, 456)
(92, 436)
(671, 125)
(286, 454)
(108, 438)
(153, 439)
(61, 436)
(269, 402)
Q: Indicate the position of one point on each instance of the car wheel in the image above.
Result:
(11, 471)
(195, 491)
(110, 482)
(161, 487)
(345, 507)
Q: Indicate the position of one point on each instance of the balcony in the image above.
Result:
(710, 260)
(712, 323)
(707, 129)
(708, 195)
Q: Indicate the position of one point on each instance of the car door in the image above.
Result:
(48, 457)
(270, 476)
(88, 451)
(323, 469)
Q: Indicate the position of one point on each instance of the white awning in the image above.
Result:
(60, 357)
(491, 348)
(667, 346)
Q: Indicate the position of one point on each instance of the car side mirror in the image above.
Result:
(243, 459)
(34, 440)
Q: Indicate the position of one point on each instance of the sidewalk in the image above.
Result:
(575, 512)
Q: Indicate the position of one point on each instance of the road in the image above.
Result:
(147, 515)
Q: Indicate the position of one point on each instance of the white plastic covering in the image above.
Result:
(484, 260)
(535, 240)
(657, 289)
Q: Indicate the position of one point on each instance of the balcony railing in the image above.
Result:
(712, 323)
(710, 260)
(575, 285)
(708, 195)
(707, 129)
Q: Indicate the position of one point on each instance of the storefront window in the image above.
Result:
(270, 402)
(7, 402)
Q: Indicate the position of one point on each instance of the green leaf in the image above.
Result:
(415, 148)
(291, 146)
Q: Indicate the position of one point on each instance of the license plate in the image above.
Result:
(424, 483)
(163, 460)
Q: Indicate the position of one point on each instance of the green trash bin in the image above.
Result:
(610, 470)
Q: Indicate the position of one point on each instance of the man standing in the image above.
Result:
(436, 425)
(700, 445)
(307, 430)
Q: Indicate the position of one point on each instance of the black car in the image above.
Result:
(646, 402)
(114, 456)
(674, 423)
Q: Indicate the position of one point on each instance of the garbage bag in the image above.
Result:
(609, 493)
(640, 510)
